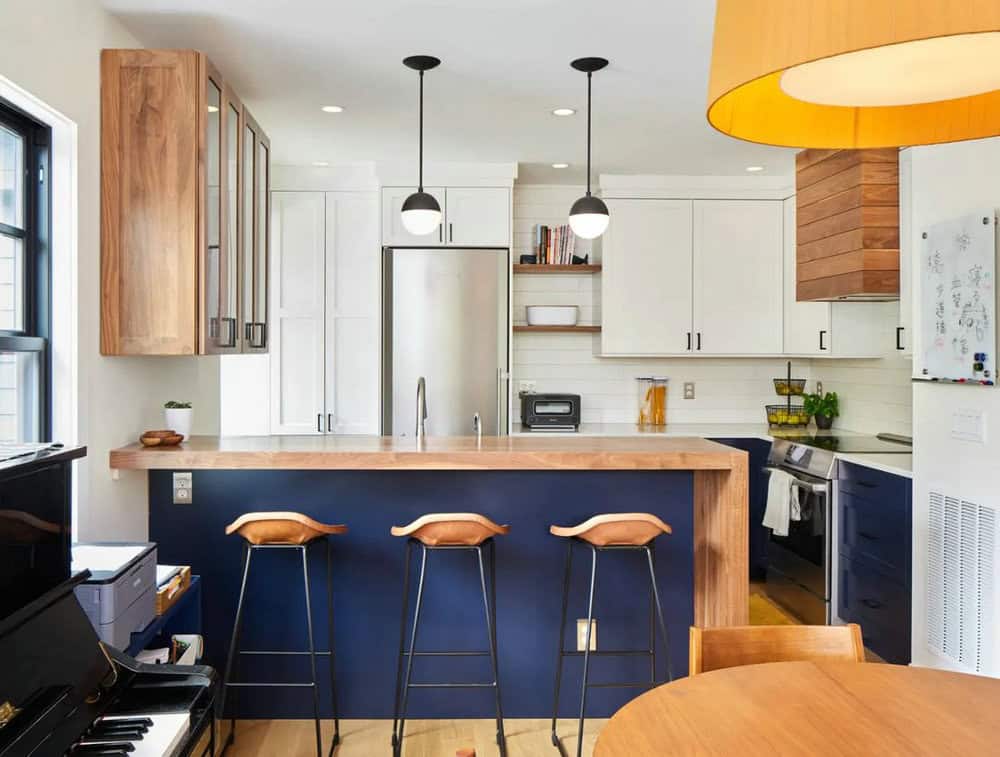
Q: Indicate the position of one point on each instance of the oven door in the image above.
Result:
(798, 574)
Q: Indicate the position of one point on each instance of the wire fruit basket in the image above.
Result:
(790, 415)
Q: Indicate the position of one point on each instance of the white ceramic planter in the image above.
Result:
(178, 419)
(552, 315)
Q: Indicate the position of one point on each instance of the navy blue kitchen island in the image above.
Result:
(371, 484)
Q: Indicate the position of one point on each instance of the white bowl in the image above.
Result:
(552, 315)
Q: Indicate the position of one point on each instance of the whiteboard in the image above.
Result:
(958, 300)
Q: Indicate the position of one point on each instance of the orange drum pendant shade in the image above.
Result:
(855, 74)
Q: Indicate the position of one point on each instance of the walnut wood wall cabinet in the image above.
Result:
(848, 224)
(185, 182)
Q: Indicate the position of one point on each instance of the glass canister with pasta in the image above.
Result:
(651, 393)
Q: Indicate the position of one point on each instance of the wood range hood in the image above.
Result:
(847, 217)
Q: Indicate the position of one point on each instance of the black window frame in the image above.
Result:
(36, 233)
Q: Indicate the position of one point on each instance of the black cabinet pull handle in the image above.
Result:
(869, 537)
(899, 335)
(451, 232)
(257, 334)
(441, 232)
(689, 341)
(866, 484)
(233, 331)
(329, 422)
(319, 423)
(699, 340)
(872, 603)
(822, 345)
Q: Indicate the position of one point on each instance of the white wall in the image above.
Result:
(950, 181)
(875, 394)
(51, 48)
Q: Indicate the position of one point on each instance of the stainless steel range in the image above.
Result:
(800, 565)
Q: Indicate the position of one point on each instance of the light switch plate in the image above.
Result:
(581, 634)
(689, 390)
(968, 425)
(183, 488)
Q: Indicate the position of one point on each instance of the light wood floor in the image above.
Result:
(424, 738)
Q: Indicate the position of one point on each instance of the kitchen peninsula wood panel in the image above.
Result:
(847, 224)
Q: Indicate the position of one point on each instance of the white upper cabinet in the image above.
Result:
(478, 216)
(470, 217)
(646, 282)
(737, 277)
(298, 273)
(807, 324)
(394, 234)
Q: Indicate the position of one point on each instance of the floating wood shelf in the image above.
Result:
(546, 268)
(559, 329)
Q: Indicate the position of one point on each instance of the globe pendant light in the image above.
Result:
(589, 215)
(841, 74)
(421, 212)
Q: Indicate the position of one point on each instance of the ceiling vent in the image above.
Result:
(847, 212)
(961, 583)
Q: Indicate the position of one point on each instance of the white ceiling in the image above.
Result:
(505, 66)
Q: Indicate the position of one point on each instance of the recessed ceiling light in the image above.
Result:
(560, 165)
(213, 108)
(755, 169)
(332, 109)
(320, 163)
(563, 112)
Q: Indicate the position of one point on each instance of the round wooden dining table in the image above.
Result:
(811, 708)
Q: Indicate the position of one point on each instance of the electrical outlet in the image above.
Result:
(581, 634)
(689, 390)
(183, 488)
(525, 387)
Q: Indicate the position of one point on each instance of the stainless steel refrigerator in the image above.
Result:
(445, 320)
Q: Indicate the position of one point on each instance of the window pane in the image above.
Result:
(11, 283)
(19, 400)
(11, 178)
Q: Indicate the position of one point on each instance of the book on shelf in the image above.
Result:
(555, 245)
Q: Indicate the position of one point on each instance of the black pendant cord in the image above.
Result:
(420, 159)
(590, 77)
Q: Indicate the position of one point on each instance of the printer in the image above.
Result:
(120, 595)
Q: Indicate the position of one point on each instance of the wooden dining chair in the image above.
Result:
(715, 648)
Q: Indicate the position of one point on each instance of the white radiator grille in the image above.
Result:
(960, 581)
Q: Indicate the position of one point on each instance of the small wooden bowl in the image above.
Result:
(161, 438)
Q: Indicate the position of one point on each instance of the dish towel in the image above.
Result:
(782, 502)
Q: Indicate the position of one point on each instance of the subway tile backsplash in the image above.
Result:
(875, 394)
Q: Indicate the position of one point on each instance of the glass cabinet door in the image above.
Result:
(213, 217)
(229, 290)
(254, 236)
(263, 258)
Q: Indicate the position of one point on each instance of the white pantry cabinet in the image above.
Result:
(325, 351)
(470, 217)
(737, 277)
(646, 278)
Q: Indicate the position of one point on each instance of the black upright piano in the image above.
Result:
(63, 692)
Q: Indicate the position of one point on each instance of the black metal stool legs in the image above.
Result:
(235, 653)
(329, 625)
(655, 615)
(659, 615)
(312, 652)
(233, 642)
(404, 672)
(490, 608)
(562, 636)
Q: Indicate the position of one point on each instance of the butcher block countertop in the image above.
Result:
(433, 453)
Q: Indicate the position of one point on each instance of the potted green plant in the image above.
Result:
(823, 407)
(177, 416)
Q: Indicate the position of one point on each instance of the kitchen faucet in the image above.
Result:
(421, 407)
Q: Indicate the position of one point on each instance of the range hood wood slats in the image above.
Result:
(847, 204)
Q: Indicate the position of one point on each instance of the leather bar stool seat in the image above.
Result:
(616, 529)
(451, 529)
(280, 528)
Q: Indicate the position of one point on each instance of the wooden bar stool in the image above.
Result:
(446, 531)
(611, 532)
(282, 530)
